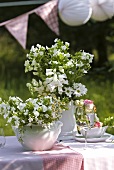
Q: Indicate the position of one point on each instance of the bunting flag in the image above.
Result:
(18, 28)
(48, 12)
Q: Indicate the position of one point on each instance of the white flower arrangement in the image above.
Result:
(57, 71)
(43, 111)
(57, 82)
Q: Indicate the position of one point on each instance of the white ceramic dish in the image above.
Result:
(94, 132)
(66, 136)
(81, 138)
(38, 138)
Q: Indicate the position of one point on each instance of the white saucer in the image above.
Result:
(66, 136)
(80, 138)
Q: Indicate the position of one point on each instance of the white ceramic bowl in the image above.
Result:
(94, 132)
(38, 138)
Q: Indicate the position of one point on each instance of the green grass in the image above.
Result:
(100, 90)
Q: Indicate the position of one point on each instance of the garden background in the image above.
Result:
(93, 37)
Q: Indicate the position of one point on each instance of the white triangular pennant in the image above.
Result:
(18, 28)
(48, 12)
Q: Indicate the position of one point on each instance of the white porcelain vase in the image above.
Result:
(69, 127)
(38, 138)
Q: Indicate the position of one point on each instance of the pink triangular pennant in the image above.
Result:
(48, 12)
(18, 28)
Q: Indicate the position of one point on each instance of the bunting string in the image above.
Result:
(47, 12)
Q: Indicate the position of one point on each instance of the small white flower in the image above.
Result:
(41, 53)
(46, 115)
(27, 55)
(13, 109)
(63, 79)
(40, 122)
(84, 71)
(26, 112)
(55, 62)
(67, 55)
(55, 79)
(54, 46)
(68, 91)
(38, 45)
(49, 108)
(49, 72)
(67, 44)
(9, 120)
(79, 89)
(53, 114)
(5, 115)
(15, 117)
(34, 82)
(44, 108)
(56, 40)
(36, 113)
(23, 121)
(26, 63)
(54, 51)
(21, 106)
(59, 53)
(80, 64)
(40, 89)
(47, 48)
(30, 119)
(36, 106)
(91, 58)
(60, 90)
(63, 47)
(70, 63)
(48, 80)
(17, 123)
(33, 62)
(33, 49)
(35, 54)
(61, 69)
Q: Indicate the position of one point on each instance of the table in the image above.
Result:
(67, 155)
(97, 156)
(60, 157)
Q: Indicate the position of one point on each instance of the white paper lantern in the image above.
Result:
(102, 9)
(74, 12)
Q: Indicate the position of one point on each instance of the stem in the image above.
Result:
(85, 139)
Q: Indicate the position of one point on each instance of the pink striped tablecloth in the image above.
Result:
(60, 157)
